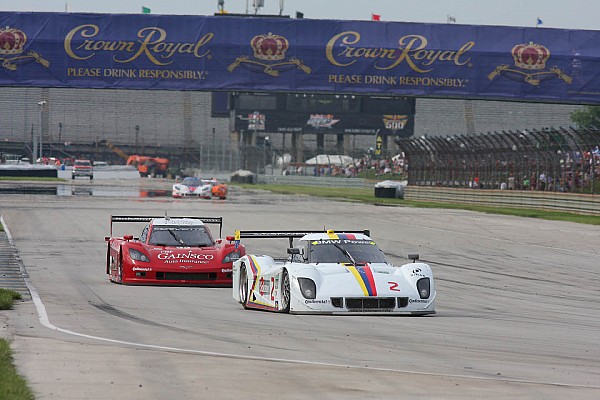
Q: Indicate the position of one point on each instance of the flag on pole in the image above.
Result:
(146, 10)
(539, 22)
(375, 17)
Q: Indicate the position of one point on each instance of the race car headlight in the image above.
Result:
(231, 257)
(138, 255)
(308, 288)
(423, 288)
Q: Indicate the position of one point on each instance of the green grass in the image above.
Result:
(30, 178)
(7, 298)
(12, 386)
(367, 196)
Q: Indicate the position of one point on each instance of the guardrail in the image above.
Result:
(308, 180)
(552, 201)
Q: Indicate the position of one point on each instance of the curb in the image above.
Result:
(12, 271)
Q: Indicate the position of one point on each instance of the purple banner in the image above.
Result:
(214, 53)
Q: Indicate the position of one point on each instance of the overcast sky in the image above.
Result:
(570, 14)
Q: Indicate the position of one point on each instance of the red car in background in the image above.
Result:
(171, 251)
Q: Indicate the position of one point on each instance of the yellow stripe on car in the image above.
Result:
(359, 279)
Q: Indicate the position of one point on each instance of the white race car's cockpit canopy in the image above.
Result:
(325, 246)
(330, 247)
(331, 235)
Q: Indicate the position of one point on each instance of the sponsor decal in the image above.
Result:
(145, 269)
(264, 286)
(395, 122)
(12, 50)
(256, 121)
(82, 43)
(344, 49)
(529, 66)
(269, 56)
(340, 241)
(418, 301)
(316, 301)
(319, 121)
(225, 270)
(190, 255)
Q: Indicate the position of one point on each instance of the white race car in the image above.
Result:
(191, 186)
(331, 273)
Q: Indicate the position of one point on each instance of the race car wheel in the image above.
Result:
(285, 292)
(244, 286)
(120, 267)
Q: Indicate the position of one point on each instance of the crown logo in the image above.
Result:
(12, 44)
(530, 62)
(269, 47)
(530, 56)
(12, 41)
(269, 56)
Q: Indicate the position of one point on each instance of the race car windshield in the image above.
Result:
(191, 181)
(362, 251)
(180, 236)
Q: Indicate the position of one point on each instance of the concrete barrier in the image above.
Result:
(552, 201)
(29, 171)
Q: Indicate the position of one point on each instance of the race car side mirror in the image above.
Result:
(219, 241)
(413, 257)
(230, 238)
(293, 250)
(106, 238)
(128, 237)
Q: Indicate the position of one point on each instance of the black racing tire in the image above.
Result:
(243, 286)
(120, 267)
(108, 260)
(285, 292)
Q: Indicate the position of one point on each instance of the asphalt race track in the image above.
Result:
(517, 304)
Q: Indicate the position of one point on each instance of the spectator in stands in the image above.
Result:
(543, 180)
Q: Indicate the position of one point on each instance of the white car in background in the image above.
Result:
(331, 273)
(193, 187)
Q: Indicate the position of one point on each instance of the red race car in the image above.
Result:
(171, 251)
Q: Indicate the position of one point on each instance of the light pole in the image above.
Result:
(41, 104)
(137, 134)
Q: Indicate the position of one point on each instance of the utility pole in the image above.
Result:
(41, 104)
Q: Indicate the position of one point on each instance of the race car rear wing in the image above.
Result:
(136, 218)
(291, 235)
